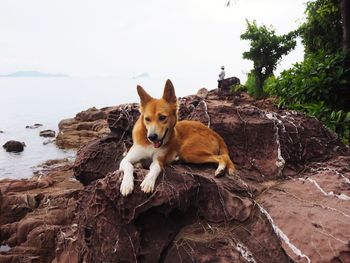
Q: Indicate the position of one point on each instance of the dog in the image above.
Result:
(159, 136)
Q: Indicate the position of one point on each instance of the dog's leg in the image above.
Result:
(147, 184)
(135, 154)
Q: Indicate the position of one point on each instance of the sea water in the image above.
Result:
(47, 100)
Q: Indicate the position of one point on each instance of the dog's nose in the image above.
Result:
(153, 137)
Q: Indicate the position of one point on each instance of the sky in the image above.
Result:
(182, 38)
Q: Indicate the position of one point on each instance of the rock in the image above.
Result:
(49, 141)
(227, 83)
(202, 93)
(47, 133)
(14, 146)
(1, 131)
(91, 114)
(108, 150)
(141, 228)
(35, 126)
(314, 206)
(36, 214)
(84, 128)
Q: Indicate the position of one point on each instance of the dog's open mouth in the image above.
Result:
(159, 143)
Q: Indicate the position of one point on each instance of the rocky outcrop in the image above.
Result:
(289, 201)
(36, 214)
(14, 146)
(85, 127)
(192, 216)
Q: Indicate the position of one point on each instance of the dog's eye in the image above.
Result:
(162, 117)
(147, 119)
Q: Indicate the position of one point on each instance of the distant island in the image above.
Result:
(33, 74)
(143, 75)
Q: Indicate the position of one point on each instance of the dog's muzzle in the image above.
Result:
(155, 141)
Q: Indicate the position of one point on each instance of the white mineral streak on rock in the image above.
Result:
(339, 196)
(280, 161)
(326, 169)
(206, 111)
(245, 253)
(346, 179)
(283, 236)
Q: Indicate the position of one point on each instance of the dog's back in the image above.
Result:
(200, 144)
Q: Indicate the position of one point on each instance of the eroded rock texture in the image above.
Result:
(83, 128)
(36, 215)
(289, 202)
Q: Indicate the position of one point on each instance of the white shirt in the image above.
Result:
(222, 75)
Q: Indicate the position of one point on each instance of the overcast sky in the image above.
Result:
(127, 37)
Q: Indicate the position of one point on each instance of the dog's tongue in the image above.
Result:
(157, 144)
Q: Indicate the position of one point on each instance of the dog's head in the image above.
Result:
(159, 116)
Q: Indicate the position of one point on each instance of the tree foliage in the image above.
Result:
(323, 28)
(319, 86)
(266, 50)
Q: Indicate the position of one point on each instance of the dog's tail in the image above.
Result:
(224, 153)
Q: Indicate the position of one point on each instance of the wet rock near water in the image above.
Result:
(49, 141)
(289, 201)
(14, 146)
(34, 126)
(85, 127)
(47, 133)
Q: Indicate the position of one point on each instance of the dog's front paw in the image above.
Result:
(126, 186)
(147, 185)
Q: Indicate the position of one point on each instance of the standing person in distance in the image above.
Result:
(221, 76)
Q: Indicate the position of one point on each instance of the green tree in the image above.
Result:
(323, 28)
(266, 50)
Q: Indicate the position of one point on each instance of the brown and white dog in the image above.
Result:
(159, 136)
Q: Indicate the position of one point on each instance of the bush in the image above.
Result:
(319, 78)
(319, 86)
(338, 121)
(238, 88)
(251, 84)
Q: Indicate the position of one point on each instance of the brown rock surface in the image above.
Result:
(83, 128)
(290, 201)
(35, 212)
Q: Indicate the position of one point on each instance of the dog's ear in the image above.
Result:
(169, 92)
(144, 96)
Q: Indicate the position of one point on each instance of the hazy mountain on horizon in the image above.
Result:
(142, 75)
(33, 74)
